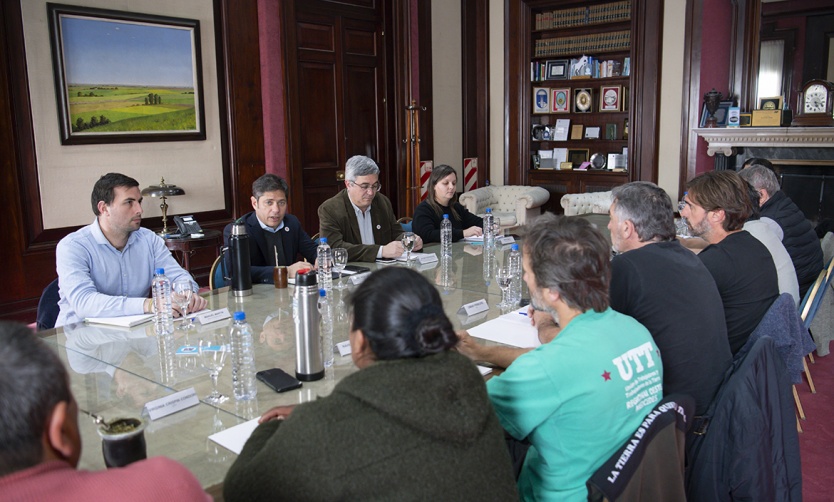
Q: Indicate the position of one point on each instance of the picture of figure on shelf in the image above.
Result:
(580, 68)
(611, 131)
(583, 102)
(610, 98)
(541, 100)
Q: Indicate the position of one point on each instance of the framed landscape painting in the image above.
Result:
(123, 77)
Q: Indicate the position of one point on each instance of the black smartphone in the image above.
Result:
(278, 380)
(356, 269)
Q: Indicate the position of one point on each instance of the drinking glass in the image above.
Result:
(496, 227)
(340, 259)
(504, 278)
(182, 293)
(408, 243)
(213, 348)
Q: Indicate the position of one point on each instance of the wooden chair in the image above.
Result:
(217, 275)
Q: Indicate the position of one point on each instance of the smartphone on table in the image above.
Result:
(278, 380)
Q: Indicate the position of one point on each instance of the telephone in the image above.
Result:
(187, 225)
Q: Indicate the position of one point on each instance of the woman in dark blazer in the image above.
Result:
(442, 199)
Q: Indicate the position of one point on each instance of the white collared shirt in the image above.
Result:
(366, 226)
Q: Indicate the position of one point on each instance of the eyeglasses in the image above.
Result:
(366, 187)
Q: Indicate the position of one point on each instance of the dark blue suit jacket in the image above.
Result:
(295, 239)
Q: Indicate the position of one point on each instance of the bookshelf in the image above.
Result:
(586, 90)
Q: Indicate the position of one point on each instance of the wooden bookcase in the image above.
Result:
(623, 37)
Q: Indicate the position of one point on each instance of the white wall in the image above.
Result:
(497, 133)
(447, 85)
(66, 174)
(671, 90)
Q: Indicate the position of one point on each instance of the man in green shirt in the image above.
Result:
(586, 389)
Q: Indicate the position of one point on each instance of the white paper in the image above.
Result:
(419, 257)
(125, 321)
(485, 370)
(474, 238)
(173, 403)
(235, 437)
(512, 329)
(561, 130)
(560, 155)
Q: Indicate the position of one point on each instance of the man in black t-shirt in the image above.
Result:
(715, 208)
(666, 287)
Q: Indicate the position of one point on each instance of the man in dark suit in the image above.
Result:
(274, 234)
(361, 220)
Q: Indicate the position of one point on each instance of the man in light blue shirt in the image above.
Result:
(105, 269)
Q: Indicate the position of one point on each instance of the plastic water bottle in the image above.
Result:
(243, 359)
(161, 291)
(446, 236)
(489, 229)
(489, 265)
(324, 262)
(514, 263)
(326, 311)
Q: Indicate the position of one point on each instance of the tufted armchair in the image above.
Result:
(586, 203)
(513, 205)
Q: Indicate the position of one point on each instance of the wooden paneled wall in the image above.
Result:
(27, 253)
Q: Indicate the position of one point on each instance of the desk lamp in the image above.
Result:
(163, 191)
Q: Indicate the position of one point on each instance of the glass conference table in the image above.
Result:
(115, 371)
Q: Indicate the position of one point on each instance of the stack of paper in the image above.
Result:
(510, 329)
(125, 321)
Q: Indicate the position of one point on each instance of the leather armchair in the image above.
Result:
(513, 205)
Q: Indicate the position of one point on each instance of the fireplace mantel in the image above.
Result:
(723, 139)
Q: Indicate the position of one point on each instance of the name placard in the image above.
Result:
(359, 278)
(422, 258)
(502, 241)
(210, 316)
(173, 403)
(474, 307)
(344, 348)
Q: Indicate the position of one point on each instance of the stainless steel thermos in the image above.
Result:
(308, 361)
(241, 266)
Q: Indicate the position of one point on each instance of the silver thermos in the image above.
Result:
(241, 265)
(308, 361)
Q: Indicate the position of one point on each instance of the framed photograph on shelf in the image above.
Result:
(558, 69)
(720, 114)
(774, 103)
(560, 100)
(592, 132)
(582, 100)
(745, 119)
(576, 131)
(610, 98)
(110, 80)
(541, 100)
(611, 131)
(578, 155)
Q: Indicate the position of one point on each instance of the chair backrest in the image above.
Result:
(650, 465)
(217, 275)
(813, 298)
(48, 307)
(406, 223)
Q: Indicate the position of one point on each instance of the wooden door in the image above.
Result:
(336, 78)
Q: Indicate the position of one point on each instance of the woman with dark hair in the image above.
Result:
(414, 423)
(442, 199)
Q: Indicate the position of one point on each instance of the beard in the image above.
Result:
(537, 302)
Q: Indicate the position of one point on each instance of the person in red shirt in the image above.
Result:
(40, 442)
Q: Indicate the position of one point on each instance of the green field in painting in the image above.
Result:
(125, 107)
